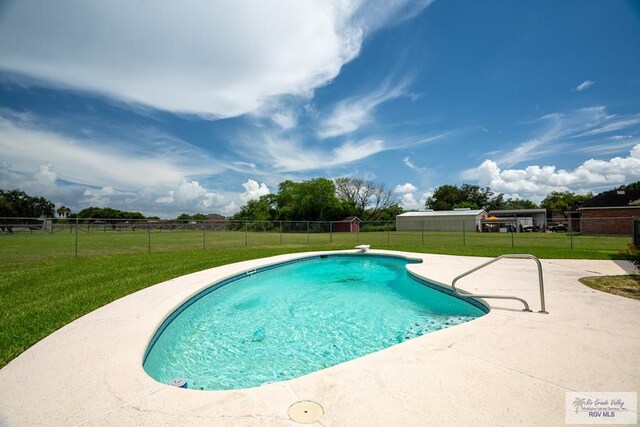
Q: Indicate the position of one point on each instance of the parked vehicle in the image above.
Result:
(530, 228)
(558, 228)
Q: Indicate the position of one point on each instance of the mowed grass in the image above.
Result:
(626, 286)
(38, 245)
(44, 286)
(39, 297)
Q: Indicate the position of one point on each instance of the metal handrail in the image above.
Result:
(510, 256)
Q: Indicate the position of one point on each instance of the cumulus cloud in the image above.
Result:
(405, 188)
(191, 193)
(253, 191)
(584, 85)
(408, 197)
(218, 59)
(534, 182)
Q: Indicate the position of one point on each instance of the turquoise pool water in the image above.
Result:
(297, 318)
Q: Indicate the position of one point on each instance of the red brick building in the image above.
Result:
(611, 212)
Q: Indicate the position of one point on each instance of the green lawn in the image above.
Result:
(38, 245)
(625, 286)
(43, 286)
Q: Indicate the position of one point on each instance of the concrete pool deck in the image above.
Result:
(508, 367)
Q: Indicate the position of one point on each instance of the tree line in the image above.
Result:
(319, 199)
(322, 199)
(449, 197)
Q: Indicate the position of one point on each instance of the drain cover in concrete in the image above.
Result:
(305, 412)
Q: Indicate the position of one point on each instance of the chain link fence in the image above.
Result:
(75, 237)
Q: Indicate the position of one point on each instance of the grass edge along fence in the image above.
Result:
(103, 236)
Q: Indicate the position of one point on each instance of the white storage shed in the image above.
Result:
(453, 220)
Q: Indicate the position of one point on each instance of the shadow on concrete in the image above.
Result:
(627, 266)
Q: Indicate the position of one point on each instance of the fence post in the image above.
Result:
(422, 232)
(388, 234)
(246, 236)
(464, 234)
(204, 235)
(511, 236)
(148, 237)
(76, 237)
(570, 233)
(308, 238)
(330, 232)
(280, 232)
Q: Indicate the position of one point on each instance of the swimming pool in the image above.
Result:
(291, 319)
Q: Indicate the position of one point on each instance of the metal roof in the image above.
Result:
(518, 211)
(474, 212)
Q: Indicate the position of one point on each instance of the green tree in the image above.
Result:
(108, 213)
(445, 198)
(630, 186)
(519, 204)
(262, 209)
(564, 201)
(310, 200)
(17, 203)
(63, 211)
(476, 197)
(448, 197)
(195, 217)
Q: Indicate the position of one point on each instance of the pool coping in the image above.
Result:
(90, 371)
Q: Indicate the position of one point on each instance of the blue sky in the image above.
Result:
(170, 107)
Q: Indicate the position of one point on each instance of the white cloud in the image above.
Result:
(411, 165)
(405, 188)
(46, 174)
(612, 126)
(101, 197)
(535, 182)
(624, 144)
(191, 193)
(80, 173)
(253, 190)
(96, 163)
(219, 58)
(289, 155)
(561, 130)
(408, 198)
(409, 202)
(407, 161)
(230, 209)
(584, 85)
(284, 120)
(349, 115)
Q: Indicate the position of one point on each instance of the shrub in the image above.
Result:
(632, 253)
